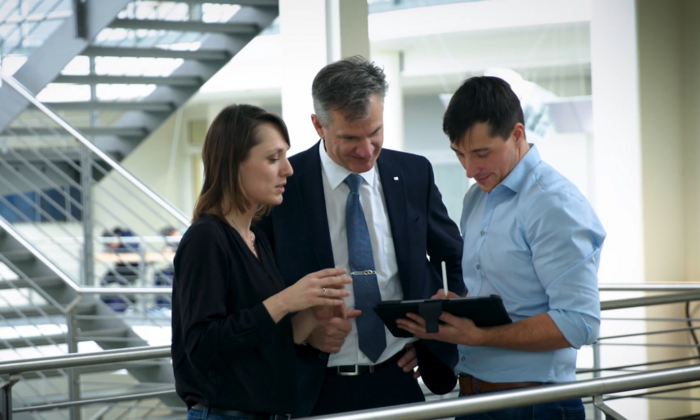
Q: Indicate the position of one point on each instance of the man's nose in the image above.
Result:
(469, 168)
(365, 149)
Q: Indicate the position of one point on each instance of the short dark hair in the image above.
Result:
(346, 86)
(227, 144)
(482, 99)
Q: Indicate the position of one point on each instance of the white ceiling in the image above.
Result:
(547, 41)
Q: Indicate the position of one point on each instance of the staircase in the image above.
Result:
(94, 52)
(62, 191)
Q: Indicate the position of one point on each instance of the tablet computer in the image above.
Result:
(485, 311)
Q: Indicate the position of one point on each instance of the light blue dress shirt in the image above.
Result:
(535, 241)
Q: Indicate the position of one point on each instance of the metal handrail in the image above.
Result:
(604, 306)
(650, 300)
(648, 287)
(17, 86)
(7, 227)
(85, 359)
(105, 400)
(417, 411)
(524, 396)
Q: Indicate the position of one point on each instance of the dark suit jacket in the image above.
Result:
(298, 232)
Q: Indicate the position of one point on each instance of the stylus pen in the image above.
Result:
(444, 277)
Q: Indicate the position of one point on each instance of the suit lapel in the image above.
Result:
(314, 204)
(394, 187)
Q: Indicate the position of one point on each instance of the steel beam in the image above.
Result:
(186, 26)
(47, 61)
(155, 53)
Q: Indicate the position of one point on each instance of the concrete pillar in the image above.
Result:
(347, 29)
(689, 85)
(393, 102)
(617, 169)
(304, 52)
(659, 46)
(314, 33)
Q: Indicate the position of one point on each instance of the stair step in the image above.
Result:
(86, 131)
(186, 26)
(33, 341)
(155, 53)
(183, 81)
(112, 106)
(15, 312)
(42, 282)
(97, 335)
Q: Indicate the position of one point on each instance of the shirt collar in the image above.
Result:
(515, 179)
(336, 174)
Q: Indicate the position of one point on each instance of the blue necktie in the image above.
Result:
(370, 329)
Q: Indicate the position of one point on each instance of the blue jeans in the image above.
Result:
(560, 410)
(206, 415)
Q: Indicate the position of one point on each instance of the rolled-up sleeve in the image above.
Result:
(566, 238)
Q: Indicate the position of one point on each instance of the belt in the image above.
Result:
(469, 385)
(354, 370)
(242, 414)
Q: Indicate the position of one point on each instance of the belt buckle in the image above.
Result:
(353, 373)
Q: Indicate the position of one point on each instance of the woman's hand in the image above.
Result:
(322, 288)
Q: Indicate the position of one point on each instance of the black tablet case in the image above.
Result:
(486, 311)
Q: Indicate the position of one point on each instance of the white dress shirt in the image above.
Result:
(336, 193)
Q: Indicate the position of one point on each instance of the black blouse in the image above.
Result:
(227, 351)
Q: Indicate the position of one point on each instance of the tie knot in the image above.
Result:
(353, 181)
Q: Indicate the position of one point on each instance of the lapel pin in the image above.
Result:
(396, 178)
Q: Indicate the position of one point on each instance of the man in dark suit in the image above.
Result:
(376, 215)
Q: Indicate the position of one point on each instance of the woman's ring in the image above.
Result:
(323, 290)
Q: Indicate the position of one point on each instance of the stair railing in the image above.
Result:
(60, 194)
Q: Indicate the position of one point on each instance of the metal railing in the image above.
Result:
(600, 389)
(58, 193)
(79, 200)
(69, 362)
(595, 388)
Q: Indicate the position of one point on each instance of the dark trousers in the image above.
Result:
(560, 410)
(385, 387)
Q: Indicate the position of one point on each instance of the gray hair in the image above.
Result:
(346, 86)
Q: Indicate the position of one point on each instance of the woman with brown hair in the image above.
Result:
(234, 322)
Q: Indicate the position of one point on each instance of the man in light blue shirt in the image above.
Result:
(529, 236)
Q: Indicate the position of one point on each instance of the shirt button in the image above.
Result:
(483, 233)
(463, 358)
(478, 267)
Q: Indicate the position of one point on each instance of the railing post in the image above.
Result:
(73, 374)
(597, 414)
(6, 396)
(88, 271)
(610, 414)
